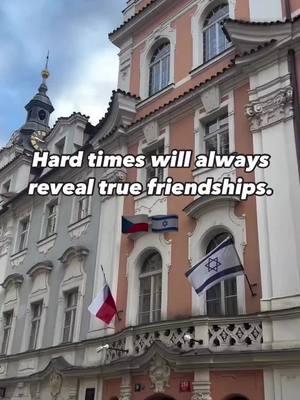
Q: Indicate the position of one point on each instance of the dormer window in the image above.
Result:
(214, 39)
(160, 68)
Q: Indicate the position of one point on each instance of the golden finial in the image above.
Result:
(45, 72)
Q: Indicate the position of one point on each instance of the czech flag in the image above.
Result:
(135, 224)
(104, 306)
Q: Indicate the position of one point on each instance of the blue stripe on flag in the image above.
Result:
(219, 275)
(165, 229)
(164, 217)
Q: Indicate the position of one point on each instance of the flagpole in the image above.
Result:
(118, 312)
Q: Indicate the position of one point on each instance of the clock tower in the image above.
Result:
(38, 110)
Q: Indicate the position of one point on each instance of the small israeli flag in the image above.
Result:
(164, 223)
(221, 263)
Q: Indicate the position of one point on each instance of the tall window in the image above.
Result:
(221, 299)
(71, 299)
(51, 218)
(214, 39)
(36, 312)
(90, 394)
(83, 207)
(152, 172)
(217, 136)
(160, 68)
(150, 289)
(7, 325)
(23, 233)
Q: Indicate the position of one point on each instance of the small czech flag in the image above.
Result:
(135, 224)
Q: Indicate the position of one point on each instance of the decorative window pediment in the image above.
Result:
(198, 206)
(46, 266)
(16, 279)
(78, 252)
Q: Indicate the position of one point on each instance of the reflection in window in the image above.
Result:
(150, 289)
(214, 39)
(159, 69)
(221, 299)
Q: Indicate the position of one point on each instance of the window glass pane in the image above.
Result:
(152, 263)
(156, 297)
(90, 394)
(224, 143)
(211, 144)
(213, 300)
(159, 69)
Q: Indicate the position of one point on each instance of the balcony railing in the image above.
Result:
(216, 335)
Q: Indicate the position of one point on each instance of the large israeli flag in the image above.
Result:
(221, 263)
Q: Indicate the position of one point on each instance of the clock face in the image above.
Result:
(38, 140)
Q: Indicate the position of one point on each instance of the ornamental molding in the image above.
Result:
(159, 374)
(6, 239)
(201, 396)
(79, 228)
(78, 252)
(55, 383)
(272, 109)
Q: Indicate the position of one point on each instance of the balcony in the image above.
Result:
(236, 334)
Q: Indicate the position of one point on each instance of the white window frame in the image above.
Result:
(151, 276)
(35, 325)
(159, 61)
(73, 312)
(7, 331)
(220, 130)
(159, 172)
(23, 234)
(164, 33)
(49, 217)
(203, 9)
(207, 28)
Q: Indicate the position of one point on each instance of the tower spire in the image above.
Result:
(45, 72)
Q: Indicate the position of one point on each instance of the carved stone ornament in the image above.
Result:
(201, 396)
(151, 132)
(125, 392)
(55, 383)
(211, 99)
(271, 109)
(159, 374)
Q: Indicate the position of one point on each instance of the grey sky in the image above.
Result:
(83, 63)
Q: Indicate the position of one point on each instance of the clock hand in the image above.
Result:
(40, 140)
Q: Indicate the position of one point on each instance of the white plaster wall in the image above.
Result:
(270, 10)
(282, 384)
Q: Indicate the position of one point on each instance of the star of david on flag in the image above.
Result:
(164, 223)
(221, 263)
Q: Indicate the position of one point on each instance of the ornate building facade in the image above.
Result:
(200, 75)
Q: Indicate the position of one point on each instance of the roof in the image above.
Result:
(132, 18)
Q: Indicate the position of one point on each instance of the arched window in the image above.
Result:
(159, 68)
(150, 289)
(221, 299)
(214, 39)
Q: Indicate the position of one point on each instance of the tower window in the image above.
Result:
(214, 39)
(42, 115)
(159, 69)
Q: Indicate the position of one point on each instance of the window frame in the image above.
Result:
(35, 322)
(159, 61)
(152, 276)
(157, 149)
(23, 234)
(221, 285)
(49, 217)
(218, 133)
(206, 28)
(72, 309)
(7, 329)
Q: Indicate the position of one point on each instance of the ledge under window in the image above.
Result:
(47, 243)
(211, 62)
(17, 258)
(155, 95)
(76, 229)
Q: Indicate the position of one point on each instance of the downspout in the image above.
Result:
(294, 82)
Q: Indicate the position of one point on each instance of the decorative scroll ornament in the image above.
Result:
(201, 396)
(55, 383)
(271, 109)
(159, 374)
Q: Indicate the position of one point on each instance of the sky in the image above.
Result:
(83, 63)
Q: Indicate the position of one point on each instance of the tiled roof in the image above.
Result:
(132, 18)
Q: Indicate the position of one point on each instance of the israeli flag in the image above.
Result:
(221, 263)
(164, 223)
